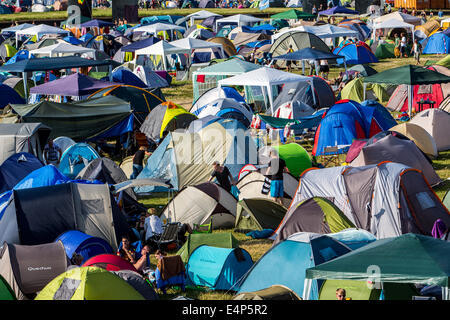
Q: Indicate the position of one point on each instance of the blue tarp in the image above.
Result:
(17, 167)
(217, 268)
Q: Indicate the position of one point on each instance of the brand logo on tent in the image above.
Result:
(22, 158)
(39, 268)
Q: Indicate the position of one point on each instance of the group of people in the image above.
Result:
(400, 50)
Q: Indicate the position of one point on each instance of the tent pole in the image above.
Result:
(25, 89)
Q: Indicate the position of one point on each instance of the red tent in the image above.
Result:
(109, 262)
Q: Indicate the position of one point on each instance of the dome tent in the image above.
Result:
(218, 268)
(15, 168)
(258, 214)
(436, 122)
(316, 214)
(275, 292)
(437, 43)
(355, 53)
(75, 158)
(135, 280)
(216, 93)
(110, 262)
(420, 136)
(88, 283)
(296, 157)
(226, 108)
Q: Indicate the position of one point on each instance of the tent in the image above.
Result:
(226, 108)
(286, 262)
(139, 283)
(63, 143)
(110, 262)
(6, 292)
(354, 90)
(85, 245)
(397, 150)
(437, 43)
(381, 112)
(107, 116)
(316, 214)
(192, 44)
(104, 170)
(296, 157)
(258, 214)
(427, 29)
(435, 122)
(446, 200)
(88, 283)
(420, 136)
(238, 19)
(355, 53)
(141, 101)
(215, 93)
(158, 52)
(158, 27)
(124, 76)
(39, 31)
(345, 121)
(337, 10)
(150, 78)
(299, 40)
(318, 94)
(399, 197)
(218, 268)
(28, 269)
(294, 110)
(16, 83)
(227, 45)
(201, 204)
(353, 238)
(88, 208)
(75, 158)
(171, 162)
(392, 24)
(61, 49)
(216, 239)
(165, 118)
(385, 51)
(15, 168)
(293, 14)
(22, 137)
(7, 51)
(400, 16)
(326, 31)
(408, 258)
(266, 78)
(275, 292)
(75, 84)
(254, 185)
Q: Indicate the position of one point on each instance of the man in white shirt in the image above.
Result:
(403, 46)
(152, 225)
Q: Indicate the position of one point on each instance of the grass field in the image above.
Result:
(181, 92)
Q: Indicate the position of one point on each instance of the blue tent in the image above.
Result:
(73, 40)
(345, 121)
(354, 53)
(20, 55)
(75, 158)
(96, 23)
(9, 96)
(87, 246)
(43, 177)
(438, 43)
(353, 238)
(140, 44)
(286, 263)
(85, 38)
(17, 167)
(128, 77)
(383, 116)
(218, 268)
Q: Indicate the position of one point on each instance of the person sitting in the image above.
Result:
(143, 262)
(52, 153)
(153, 226)
(127, 252)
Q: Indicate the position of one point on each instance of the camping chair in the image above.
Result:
(169, 235)
(171, 264)
(202, 228)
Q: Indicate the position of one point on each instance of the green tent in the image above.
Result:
(293, 14)
(296, 157)
(5, 290)
(78, 121)
(409, 258)
(354, 90)
(408, 74)
(444, 61)
(217, 239)
(258, 214)
(385, 51)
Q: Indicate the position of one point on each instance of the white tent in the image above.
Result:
(323, 32)
(158, 27)
(239, 19)
(18, 28)
(62, 49)
(294, 4)
(191, 44)
(399, 16)
(392, 24)
(265, 78)
(39, 31)
(161, 48)
(199, 15)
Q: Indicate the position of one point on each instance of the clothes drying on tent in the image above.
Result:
(15, 168)
(202, 204)
(385, 185)
(218, 268)
(285, 263)
(316, 214)
(258, 214)
(435, 122)
(85, 245)
(88, 283)
(28, 269)
(75, 158)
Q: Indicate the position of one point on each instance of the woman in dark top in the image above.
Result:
(223, 176)
(138, 161)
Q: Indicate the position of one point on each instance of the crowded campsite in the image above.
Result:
(224, 150)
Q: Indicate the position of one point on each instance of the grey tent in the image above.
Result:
(39, 215)
(299, 40)
(255, 185)
(206, 4)
(393, 149)
(275, 292)
(28, 269)
(135, 280)
(436, 122)
(243, 38)
(318, 95)
(202, 204)
(258, 214)
(22, 137)
(387, 199)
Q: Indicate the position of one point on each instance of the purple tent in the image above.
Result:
(96, 23)
(74, 85)
(337, 10)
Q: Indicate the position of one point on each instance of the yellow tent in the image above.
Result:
(423, 140)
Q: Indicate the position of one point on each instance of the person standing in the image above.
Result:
(223, 176)
(397, 46)
(403, 45)
(416, 50)
(52, 153)
(324, 69)
(314, 10)
(289, 62)
(138, 161)
(277, 167)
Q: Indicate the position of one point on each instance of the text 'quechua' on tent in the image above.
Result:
(103, 117)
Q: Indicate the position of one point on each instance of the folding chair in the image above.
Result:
(169, 235)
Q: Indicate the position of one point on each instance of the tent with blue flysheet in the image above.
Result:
(218, 268)
(17, 167)
(127, 77)
(437, 43)
(9, 95)
(85, 245)
(355, 53)
(75, 158)
(286, 263)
